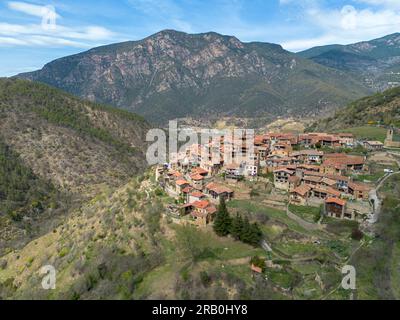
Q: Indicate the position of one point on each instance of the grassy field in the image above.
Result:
(369, 133)
(378, 263)
(302, 254)
(310, 214)
(195, 251)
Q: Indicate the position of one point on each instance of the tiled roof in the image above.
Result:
(359, 186)
(200, 171)
(340, 202)
(329, 191)
(197, 194)
(219, 189)
(201, 204)
(187, 189)
(181, 182)
(196, 177)
(328, 181)
(302, 190)
(312, 178)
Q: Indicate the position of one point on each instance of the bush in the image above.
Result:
(357, 234)
(205, 278)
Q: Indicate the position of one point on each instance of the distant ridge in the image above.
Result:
(173, 74)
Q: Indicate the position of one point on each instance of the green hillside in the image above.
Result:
(57, 151)
(363, 116)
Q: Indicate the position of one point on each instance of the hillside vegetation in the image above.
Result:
(73, 143)
(381, 108)
(117, 247)
(57, 151)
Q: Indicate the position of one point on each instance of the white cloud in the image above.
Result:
(28, 8)
(383, 3)
(60, 35)
(347, 24)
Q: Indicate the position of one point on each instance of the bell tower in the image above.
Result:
(389, 137)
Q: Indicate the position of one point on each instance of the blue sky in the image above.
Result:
(27, 41)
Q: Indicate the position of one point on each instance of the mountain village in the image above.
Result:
(311, 169)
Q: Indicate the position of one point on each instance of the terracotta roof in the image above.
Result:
(219, 189)
(330, 176)
(302, 190)
(312, 178)
(201, 204)
(343, 159)
(313, 173)
(177, 174)
(311, 152)
(329, 191)
(196, 177)
(345, 135)
(197, 194)
(328, 181)
(200, 171)
(181, 182)
(258, 139)
(359, 186)
(340, 202)
(256, 269)
(211, 209)
(187, 189)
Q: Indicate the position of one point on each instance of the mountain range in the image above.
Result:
(175, 75)
(375, 63)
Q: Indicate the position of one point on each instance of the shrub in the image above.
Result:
(357, 234)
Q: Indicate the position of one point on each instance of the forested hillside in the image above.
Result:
(57, 151)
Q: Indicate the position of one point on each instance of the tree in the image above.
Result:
(222, 223)
(245, 235)
(357, 234)
(251, 233)
(237, 226)
(256, 235)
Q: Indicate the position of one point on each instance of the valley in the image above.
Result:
(275, 216)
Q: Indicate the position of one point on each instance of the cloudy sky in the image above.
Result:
(35, 32)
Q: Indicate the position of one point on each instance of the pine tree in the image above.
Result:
(251, 233)
(222, 223)
(256, 234)
(237, 226)
(245, 234)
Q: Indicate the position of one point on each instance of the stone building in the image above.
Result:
(392, 139)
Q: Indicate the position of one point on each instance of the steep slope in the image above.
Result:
(173, 74)
(382, 108)
(118, 247)
(56, 151)
(375, 62)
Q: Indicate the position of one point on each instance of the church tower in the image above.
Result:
(389, 137)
